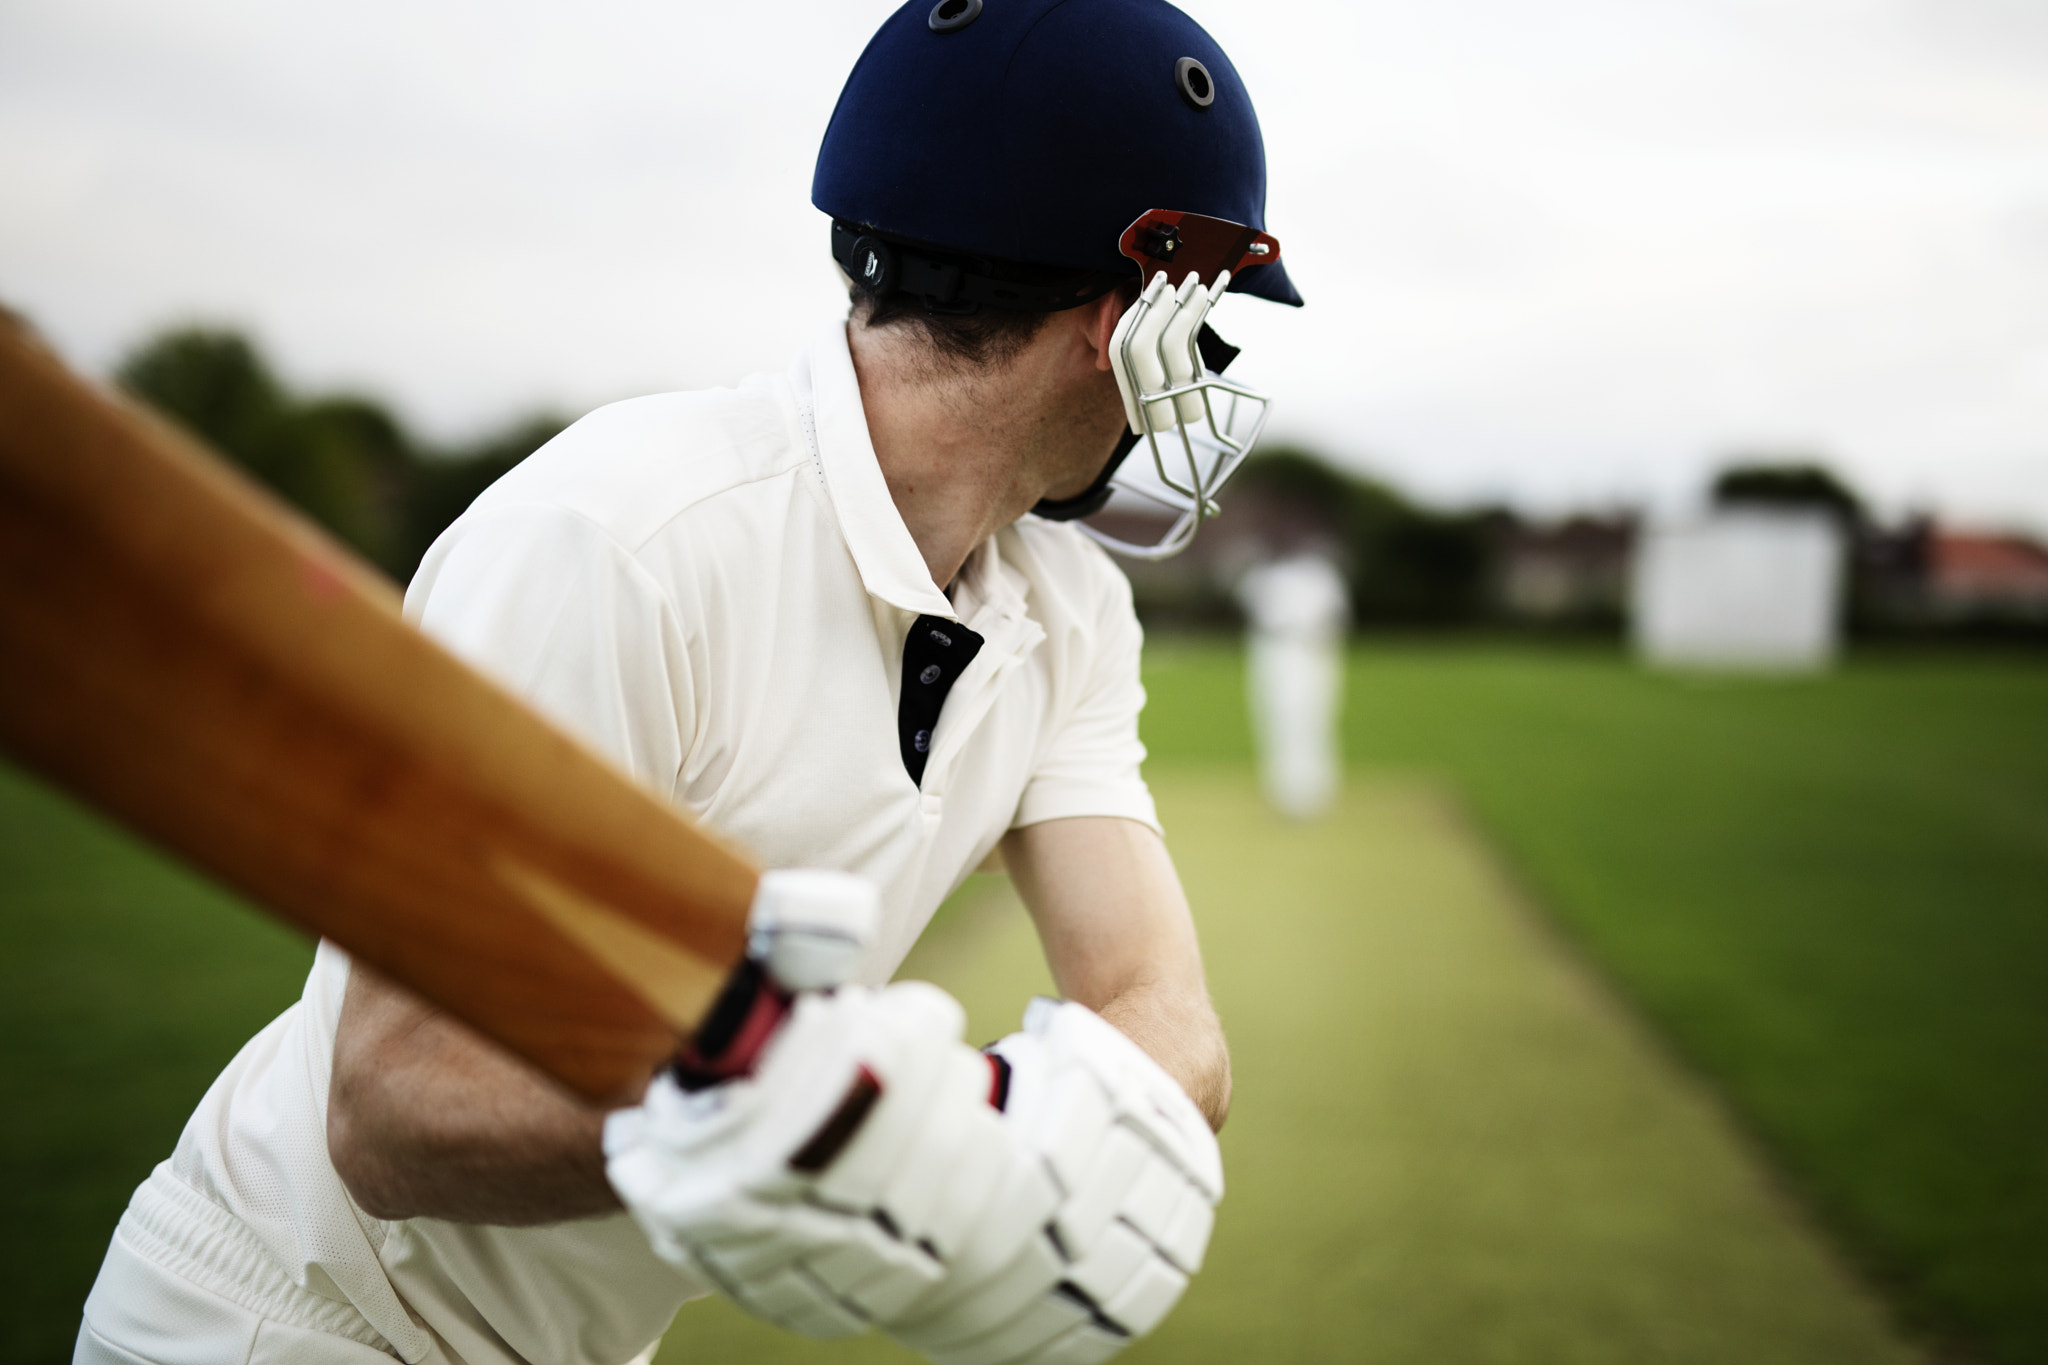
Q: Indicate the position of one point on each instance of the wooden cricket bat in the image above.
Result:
(183, 651)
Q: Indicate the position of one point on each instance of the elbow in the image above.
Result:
(361, 1159)
(1216, 1104)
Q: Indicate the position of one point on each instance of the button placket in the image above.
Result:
(1011, 637)
(936, 652)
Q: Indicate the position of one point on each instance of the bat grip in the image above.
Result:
(742, 1020)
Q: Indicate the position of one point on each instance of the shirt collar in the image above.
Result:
(890, 564)
(988, 580)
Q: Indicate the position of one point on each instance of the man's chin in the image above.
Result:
(1084, 479)
(1068, 491)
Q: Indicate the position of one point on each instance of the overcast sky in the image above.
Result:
(1565, 254)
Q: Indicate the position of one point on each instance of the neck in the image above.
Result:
(965, 452)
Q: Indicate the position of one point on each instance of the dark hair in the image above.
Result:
(966, 335)
(986, 339)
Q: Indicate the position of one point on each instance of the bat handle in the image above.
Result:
(742, 1020)
(806, 930)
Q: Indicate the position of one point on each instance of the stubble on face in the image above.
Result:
(1080, 436)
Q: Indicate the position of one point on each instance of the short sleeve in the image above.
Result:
(544, 602)
(1092, 764)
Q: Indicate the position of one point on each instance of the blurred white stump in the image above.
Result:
(1748, 589)
(1298, 610)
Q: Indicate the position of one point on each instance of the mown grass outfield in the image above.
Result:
(1831, 895)
(1829, 898)
(1448, 1144)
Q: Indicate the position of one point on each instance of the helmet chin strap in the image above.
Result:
(1087, 504)
(1216, 356)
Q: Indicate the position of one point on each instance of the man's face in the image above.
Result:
(1084, 414)
(1095, 425)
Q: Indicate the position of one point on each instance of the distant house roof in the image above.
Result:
(1564, 568)
(1986, 569)
(1582, 538)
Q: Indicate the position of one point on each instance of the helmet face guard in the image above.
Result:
(1192, 427)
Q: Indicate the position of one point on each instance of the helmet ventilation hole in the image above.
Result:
(1190, 75)
(950, 16)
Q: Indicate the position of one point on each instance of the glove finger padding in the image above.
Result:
(1138, 1176)
(724, 1182)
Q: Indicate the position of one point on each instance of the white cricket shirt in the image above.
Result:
(715, 590)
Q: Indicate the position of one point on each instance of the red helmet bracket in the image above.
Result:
(1183, 244)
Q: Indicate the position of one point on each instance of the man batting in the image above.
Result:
(851, 617)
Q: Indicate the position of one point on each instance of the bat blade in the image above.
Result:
(195, 659)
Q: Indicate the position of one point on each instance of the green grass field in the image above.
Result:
(1448, 1144)
(125, 985)
(1831, 896)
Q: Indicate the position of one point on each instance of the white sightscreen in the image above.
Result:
(1740, 589)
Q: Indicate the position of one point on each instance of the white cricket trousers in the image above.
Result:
(142, 1314)
(185, 1284)
(1296, 686)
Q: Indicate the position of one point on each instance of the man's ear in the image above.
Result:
(1101, 323)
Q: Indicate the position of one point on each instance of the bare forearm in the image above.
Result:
(1180, 1031)
(1119, 939)
(426, 1119)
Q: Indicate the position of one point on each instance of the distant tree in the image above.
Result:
(444, 485)
(1405, 564)
(214, 383)
(355, 469)
(344, 460)
(1788, 483)
(1290, 472)
(1427, 568)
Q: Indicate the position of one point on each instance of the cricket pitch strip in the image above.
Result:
(1450, 1143)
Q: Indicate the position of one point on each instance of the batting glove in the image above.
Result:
(860, 1159)
(1139, 1175)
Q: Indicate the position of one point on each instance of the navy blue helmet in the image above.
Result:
(1034, 132)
